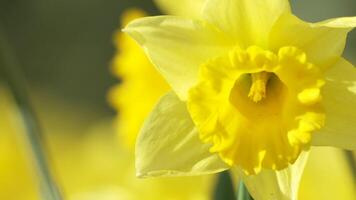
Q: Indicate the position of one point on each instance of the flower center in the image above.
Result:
(258, 108)
(258, 86)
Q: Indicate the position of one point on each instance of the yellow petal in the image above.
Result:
(248, 22)
(169, 144)
(177, 47)
(342, 22)
(339, 101)
(272, 185)
(327, 175)
(186, 8)
(323, 42)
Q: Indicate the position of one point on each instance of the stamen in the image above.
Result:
(258, 86)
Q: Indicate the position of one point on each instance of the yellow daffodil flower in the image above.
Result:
(254, 88)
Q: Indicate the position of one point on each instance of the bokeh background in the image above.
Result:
(65, 48)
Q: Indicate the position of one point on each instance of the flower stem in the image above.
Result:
(352, 163)
(10, 71)
(243, 193)
(224, 189)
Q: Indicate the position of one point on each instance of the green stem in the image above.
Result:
(224, 189)
(352, 163)
(243, 193)
(11, 71)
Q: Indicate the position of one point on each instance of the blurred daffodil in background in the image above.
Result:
(249, 93)
(87, 161)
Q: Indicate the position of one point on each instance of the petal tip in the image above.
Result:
(134, 35)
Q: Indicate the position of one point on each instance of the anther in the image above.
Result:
(258, 86)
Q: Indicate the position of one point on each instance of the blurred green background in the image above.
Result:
(65, 46)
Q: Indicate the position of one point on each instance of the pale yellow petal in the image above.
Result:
(281, 185)
(323, 42)
(186, 8)
(327, 176)
(139, 80)
(342, 22)
(177, 47)
(339, 99)
(169, 144)
(248, 22)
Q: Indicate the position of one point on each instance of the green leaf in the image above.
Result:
(10, 69)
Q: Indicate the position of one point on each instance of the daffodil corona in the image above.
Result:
(253, 88)
(258, 108)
